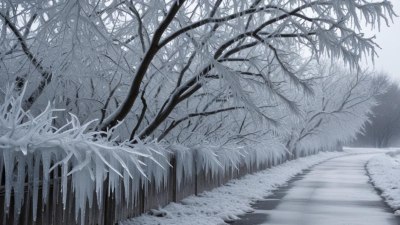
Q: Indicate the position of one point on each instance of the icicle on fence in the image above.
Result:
(70, 176)
(39, 200)
(46, 169)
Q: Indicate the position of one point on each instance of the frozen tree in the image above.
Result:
(259, 33)
(145, 62)
(336, 114)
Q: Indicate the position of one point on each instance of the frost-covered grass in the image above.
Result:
(384, 171)
(231, 200)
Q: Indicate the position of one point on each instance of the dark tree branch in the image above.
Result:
(46, 75)
(141, 117)
(128, 103)
(177, 122)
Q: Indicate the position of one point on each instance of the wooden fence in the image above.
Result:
(108, 211)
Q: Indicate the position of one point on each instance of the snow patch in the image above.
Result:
(384, 171)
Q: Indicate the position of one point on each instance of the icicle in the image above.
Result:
(126, 185)
(64, 184)
(99, 179)
(46, 161)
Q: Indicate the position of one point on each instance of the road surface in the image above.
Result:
(336, 192)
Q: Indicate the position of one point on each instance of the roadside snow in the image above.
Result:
(384, 171)
(226, 202)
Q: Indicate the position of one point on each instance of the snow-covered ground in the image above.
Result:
(384, 171)
(235, 198)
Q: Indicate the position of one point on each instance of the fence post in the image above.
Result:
(106, 203)
(195, 174)
(174, 177)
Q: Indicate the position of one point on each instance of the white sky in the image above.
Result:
(389, 40)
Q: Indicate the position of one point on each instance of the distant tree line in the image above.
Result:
(383, 129)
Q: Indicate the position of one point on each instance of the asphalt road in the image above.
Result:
(336, 192)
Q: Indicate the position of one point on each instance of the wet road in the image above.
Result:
(336, 192)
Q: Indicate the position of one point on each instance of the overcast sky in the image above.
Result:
(389, 40)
